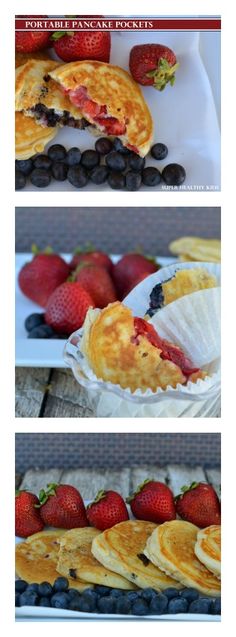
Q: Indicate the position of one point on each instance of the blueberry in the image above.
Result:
(151, 176)
(133, 180)
(77, 176)
(216, 606)
(159, 604)
(45, 589)
(106, 604)
(28, 598)
(74, 602)
(148, 594)
(59, 170)
(20, 585)
(91, 593)
(60, 600)
(174, 174)
(24, 166)
(73, 156)
(118, 146)
(135, 162)
(103, 145)
(132, 595)
(116, 592)
(42, 161)
(123, 605)
(102, 590)
(90, 159)
(17, 599)
(57, 152)
(202, 606)
(89, 600)
(140, 607)
(20, 180)
(34, 320)
(72, 592)
(42, 331)
(115, 161)
(177, 605)
(159, 151)
(171, 592)
(189, 593)
(40, 178)
(44, 601)
(116, 181)
(99, 174)
(60, 585)
(33, 588)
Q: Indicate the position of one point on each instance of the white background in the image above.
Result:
(8, 200)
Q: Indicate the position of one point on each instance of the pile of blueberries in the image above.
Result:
(110, 162)
(102, 599)
(37, 328)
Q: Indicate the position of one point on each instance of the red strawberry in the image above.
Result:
(199, 504)
(106, 510)
(153, 501)
(62, 507)
(136, 281)
(41, 276)
(153, 65)
(97, 282)
(128, 269)
(83, 45)
(30, 41)
(67, 307)
(95, 256)
(27, 517)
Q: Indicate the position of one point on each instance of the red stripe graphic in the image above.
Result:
(119, 24)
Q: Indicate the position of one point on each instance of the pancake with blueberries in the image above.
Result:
(76, 560)
(40, 97)
(109, 99)
(36, 559)
(30, 138)
(183, 282)
(171, 548)
(127, 351)
(208, 548)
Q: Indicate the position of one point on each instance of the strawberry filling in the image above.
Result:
(169, 352)
(98, 113)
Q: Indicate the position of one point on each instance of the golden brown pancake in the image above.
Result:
(120, 549)
(197, 249)
(36, 559)
(208, 548)
(30, 138)
(171, 548)
(22, 58)
(119, 97)
(75, 556)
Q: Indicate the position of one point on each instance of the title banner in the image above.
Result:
(37, 23)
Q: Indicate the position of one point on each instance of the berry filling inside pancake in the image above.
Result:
(97, 112)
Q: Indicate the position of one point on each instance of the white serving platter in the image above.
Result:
(41, 352)
(184, 116)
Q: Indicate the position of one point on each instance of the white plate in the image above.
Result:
(41, 352)
(184, 116)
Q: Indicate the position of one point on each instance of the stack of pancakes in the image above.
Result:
(132, 554)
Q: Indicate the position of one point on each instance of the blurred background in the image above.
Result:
(113, 230)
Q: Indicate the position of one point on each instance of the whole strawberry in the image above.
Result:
(106, 510)
(84, 45)
(27, 517)
(62, 507)
(30, 41)
(153, 65)
(97, 282)
(199, 504)
(94, 256)
(41, 276)
(128, 269)
(153, 501)
(67, 307)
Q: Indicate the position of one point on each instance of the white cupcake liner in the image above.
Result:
(138, 299)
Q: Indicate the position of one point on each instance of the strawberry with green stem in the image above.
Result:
(153, 65)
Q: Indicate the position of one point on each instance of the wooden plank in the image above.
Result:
(139, 474)
(66, 398)
(180, 475)
(89, 482)
(31, 384)
(36, 479)
(214, 477)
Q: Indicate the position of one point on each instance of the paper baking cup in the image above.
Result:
(138, 299)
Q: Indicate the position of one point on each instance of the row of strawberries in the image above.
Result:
(67, 290)
(62, 506)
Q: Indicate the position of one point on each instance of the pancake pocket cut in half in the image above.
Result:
(208, 548)
(182, 283)
(29, 137)
(76, 560)
(127, 351)
(109, 99)
(171, 547)
(37, 557)
(120, 549)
